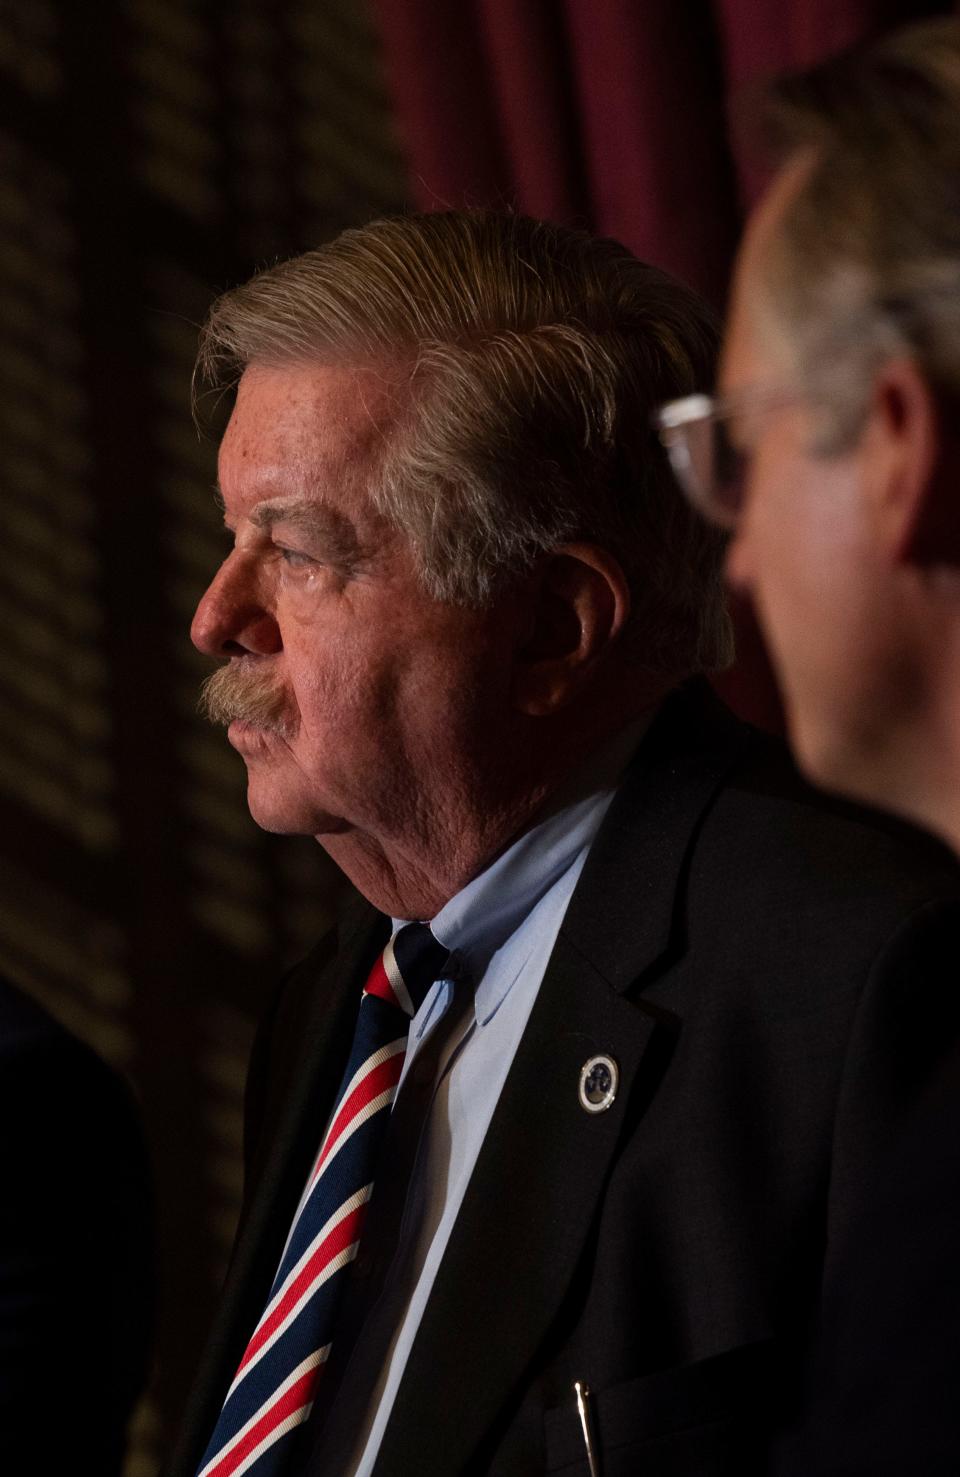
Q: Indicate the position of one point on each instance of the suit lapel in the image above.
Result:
(623, 914)
(540, 1177)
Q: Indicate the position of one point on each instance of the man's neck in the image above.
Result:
(415, 877)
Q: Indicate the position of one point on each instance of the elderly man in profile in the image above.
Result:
(834, 455)
(545, 1149)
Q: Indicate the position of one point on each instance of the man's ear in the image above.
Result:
(580, 604)
(917, 441)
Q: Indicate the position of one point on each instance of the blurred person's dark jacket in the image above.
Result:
(75, 1251)
(884, 1390)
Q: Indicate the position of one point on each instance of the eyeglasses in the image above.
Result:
(710, 469)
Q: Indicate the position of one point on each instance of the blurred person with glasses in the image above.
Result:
(832, 457)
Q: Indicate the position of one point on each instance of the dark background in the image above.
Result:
(153, 152)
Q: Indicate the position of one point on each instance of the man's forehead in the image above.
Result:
(328, 403)
(300, 434)
(753, 334)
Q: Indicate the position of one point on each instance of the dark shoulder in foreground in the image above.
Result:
(76, 1246)
(765, 816)
(825, 867)
(765, 880)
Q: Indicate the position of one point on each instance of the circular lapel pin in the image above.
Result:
(598, 1084)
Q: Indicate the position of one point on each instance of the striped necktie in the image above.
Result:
(272, 1393)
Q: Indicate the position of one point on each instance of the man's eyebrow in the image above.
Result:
(333, 529)
(307, 513)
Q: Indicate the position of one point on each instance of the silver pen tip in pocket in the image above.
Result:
(582, 1392)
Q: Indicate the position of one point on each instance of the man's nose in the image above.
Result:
(232, 618)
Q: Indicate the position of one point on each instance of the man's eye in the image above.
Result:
(294, 559)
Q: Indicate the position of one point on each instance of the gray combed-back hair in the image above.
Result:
(866, 262)
(534, 357)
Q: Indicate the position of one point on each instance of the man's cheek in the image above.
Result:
(333, 691)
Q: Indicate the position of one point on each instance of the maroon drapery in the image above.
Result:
(608, 113)
(614, 115)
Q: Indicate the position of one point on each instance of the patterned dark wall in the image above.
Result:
(151, 152)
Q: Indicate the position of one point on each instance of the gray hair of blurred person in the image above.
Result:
(533, 356)
(865, 266)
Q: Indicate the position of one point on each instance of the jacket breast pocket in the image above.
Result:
(709, 1419)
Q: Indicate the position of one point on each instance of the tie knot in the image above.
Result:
(407, 968)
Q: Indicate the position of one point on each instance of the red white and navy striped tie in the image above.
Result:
(272, 1393)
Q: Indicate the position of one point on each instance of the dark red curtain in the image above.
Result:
(613, 115)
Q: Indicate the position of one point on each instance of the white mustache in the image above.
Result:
(238, 691)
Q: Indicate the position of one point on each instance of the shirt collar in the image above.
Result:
(482, 916)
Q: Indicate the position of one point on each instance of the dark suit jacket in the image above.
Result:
(775, 975)
(75, 1251)
(883, 1398)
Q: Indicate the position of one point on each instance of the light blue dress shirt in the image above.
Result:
(501, 929)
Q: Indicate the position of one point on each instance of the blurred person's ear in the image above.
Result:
(913, 448)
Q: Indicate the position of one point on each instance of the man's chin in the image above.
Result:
(815, 749)
(838, 758)
(284, 811)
